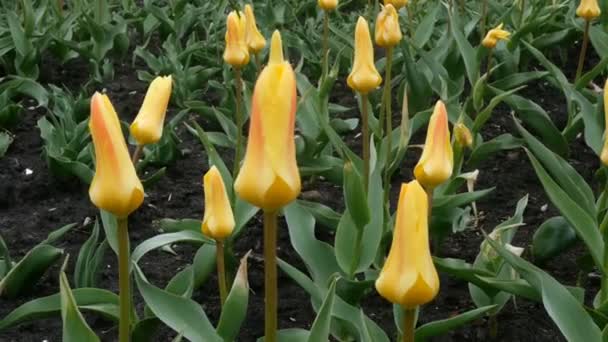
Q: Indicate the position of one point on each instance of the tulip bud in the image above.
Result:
(494, 35)
(588, 9)
(604, 154)
(328, 5)
(115, 187)
(396, 3)
(147, 128)
(408, 277)
(363, 77)
(269, 177)
(255, 40)
(218, 221)
(437, 159)
(463, 135)
(236, 52)
(388, 32)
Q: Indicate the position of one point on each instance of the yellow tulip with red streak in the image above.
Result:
(147, 128)
(409, 277)
(494, 36)
(218, 220)
(269, 177)
(255, 40)
(363, 77)
(115, 187)
(236, 52)
(437, 159)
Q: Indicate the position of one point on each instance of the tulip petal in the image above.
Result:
(218, 220)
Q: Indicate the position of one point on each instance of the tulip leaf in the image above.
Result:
(161, 240)
(86, 253)
(321, 326)
(75, 328)
(23, 276)
(355, 196)
(234, 309)
(484, 150)
(467, 52)
(440, 327)
(323, 214)
(5, 141)
(169, 225)
(290, 335)
(57, 234)
(110, 227)
(145, 330)
(564, 309)
(95, 300)
(552, 238)
(183, 315)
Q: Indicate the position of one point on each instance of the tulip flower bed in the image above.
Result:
(323, 170)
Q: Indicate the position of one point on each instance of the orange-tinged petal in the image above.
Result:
(147, 128)
(363, 77)
(269, 177)
(115, 186)
(218, 220)
(408, 276)
(236, 52)
(255, 40)
(437, 159)
(328, 5)
(396, 3)
(588, 9)
(388, 32)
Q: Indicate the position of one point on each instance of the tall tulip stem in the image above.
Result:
(521, 15)
(325, 43)
(388, 116)
(258, 64)
(489, 64)
(137, 154)
(124, 283)
(221, 270)
(484, 14)
(365, 133)
(270, 276)
(581, 57)
(409, 324)
(239, 121)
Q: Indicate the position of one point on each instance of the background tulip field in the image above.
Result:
(507, 99)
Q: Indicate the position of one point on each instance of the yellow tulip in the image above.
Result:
(328, 5)
(494, 35)
(388, 32)
(236, 52)
(408, 277)
(604, 154)
(363, 77)
(115, 187)
(396, 3)
(463, 135)
(218, 221)
(269, 177)
(588, 9)
(147, 128)
(437, 160)
(255, 40)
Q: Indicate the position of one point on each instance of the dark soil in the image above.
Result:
(33, 205)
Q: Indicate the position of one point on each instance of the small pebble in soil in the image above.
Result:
(86, 221)
(292, 319)
(28, 172)
(52, 209)
(544, 207)
(133, 92)
(169, 198)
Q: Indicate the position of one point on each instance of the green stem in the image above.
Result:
(521, 15)
(462, 7)
(409, 324)
(581, 57)
(493, 326)
(489, 65)
(258, 64)
(388, 114)
(239, 122)
(325, 44)
(365, 131)
(484, 14)
(270, 276)
(124, 283)
(137, 154)
(221, 270)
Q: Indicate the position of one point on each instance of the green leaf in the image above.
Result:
(75, 328)
(5, 141)
(161, 240)
(355, 196)
(441, 327)
(290, 335)
(484, 150)
(183, 315)
(552, 238)
(564, 309)
(87, 250)
(95, 300)
(110, 227)
(321, 326)
(467, 52)
(323, 214)
(234, 309)
(24, 275)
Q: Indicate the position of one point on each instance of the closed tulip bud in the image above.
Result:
(408, 277)
(218, 221)
(437, 159)
(147, 128)
(396, 3)
(604, 154)
(255, 40)
(388, 32)
(328, 5)
(463, 135)
(269, 177)
(494, 35)
(236, 52)
(115, 187)
(588, 9)
(363, 77)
